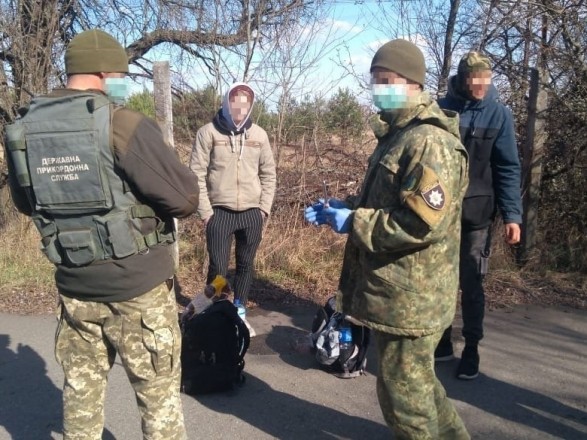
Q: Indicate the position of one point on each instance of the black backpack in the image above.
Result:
(214, 343)
(344, 363)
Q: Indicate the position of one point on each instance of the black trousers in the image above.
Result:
(474, 262)
(247, 229)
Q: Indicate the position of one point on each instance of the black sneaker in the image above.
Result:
(469, 365)
(444, 351)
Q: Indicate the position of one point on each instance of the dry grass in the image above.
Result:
(26, 276)
(295, 262)
(507, 284)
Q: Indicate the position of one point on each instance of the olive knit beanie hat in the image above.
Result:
(95, 51)
(403, 58)
(473, 62)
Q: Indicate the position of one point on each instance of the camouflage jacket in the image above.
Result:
(400, 268)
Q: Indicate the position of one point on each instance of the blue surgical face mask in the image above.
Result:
(390, 96)
(116, 89)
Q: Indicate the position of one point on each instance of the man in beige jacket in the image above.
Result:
(233, 161)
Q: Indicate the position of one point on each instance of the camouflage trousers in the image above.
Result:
(412, 399)
(144, 332)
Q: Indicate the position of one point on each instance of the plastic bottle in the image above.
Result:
(345, 337)
(242, 312)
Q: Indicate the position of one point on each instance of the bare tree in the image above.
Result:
(441, 28)
(521, 37)
(291, 64)
(35, 33)
(547, 38)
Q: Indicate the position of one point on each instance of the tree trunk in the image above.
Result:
(447, 53)
(536, 137)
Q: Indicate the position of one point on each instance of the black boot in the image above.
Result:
(469, 365)
(444, 351)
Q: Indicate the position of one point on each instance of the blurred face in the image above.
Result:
(115, 86)
(115, 75)
(477, 83)
(382, 76)
(240, 104)
(392, 91)
(108, 77)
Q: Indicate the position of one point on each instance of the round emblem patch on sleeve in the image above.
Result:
(434, 197)
(429, 198)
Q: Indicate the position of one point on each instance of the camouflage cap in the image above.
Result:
(95, 51)
(473, 61)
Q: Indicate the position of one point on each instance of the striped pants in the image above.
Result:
(247, 228)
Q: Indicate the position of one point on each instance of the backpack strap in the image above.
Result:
(114, 109)
(243, 330)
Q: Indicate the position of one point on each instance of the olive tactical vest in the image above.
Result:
(84, 211)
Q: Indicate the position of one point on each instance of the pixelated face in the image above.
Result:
(391, 91)
(478, 82)
(116, 86)
(110, 76)
(240, 104)
(381, 76)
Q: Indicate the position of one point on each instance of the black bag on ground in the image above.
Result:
(214, 343)
(344, 363)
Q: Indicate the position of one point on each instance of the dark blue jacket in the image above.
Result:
(487, 131)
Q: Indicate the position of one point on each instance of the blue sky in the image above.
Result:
(361, 41)
(364, 38)
(351, 41)
(346, 39)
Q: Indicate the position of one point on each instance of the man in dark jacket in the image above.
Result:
(103, 187)
(487, 131)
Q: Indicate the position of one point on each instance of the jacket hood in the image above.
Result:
(230, 125)
(456, 93)
(426, 110)
(227, 127)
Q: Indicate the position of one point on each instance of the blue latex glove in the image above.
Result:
(339, 219)
(337, 203)
(315, 214)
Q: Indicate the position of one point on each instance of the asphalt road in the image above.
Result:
(533, 384)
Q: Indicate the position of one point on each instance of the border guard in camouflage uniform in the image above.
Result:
(400, 269)
(102, 187)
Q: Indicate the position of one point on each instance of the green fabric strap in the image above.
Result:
(151, 239)
(142, 211)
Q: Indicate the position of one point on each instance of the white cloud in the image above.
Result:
(345, 26)
(376, 44)
(360, 61)
(417, 39)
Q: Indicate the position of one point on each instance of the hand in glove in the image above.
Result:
(314, 214)
(339, 219)
(337, 203)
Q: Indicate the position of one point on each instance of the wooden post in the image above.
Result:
(163, 105)
(164, 116)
